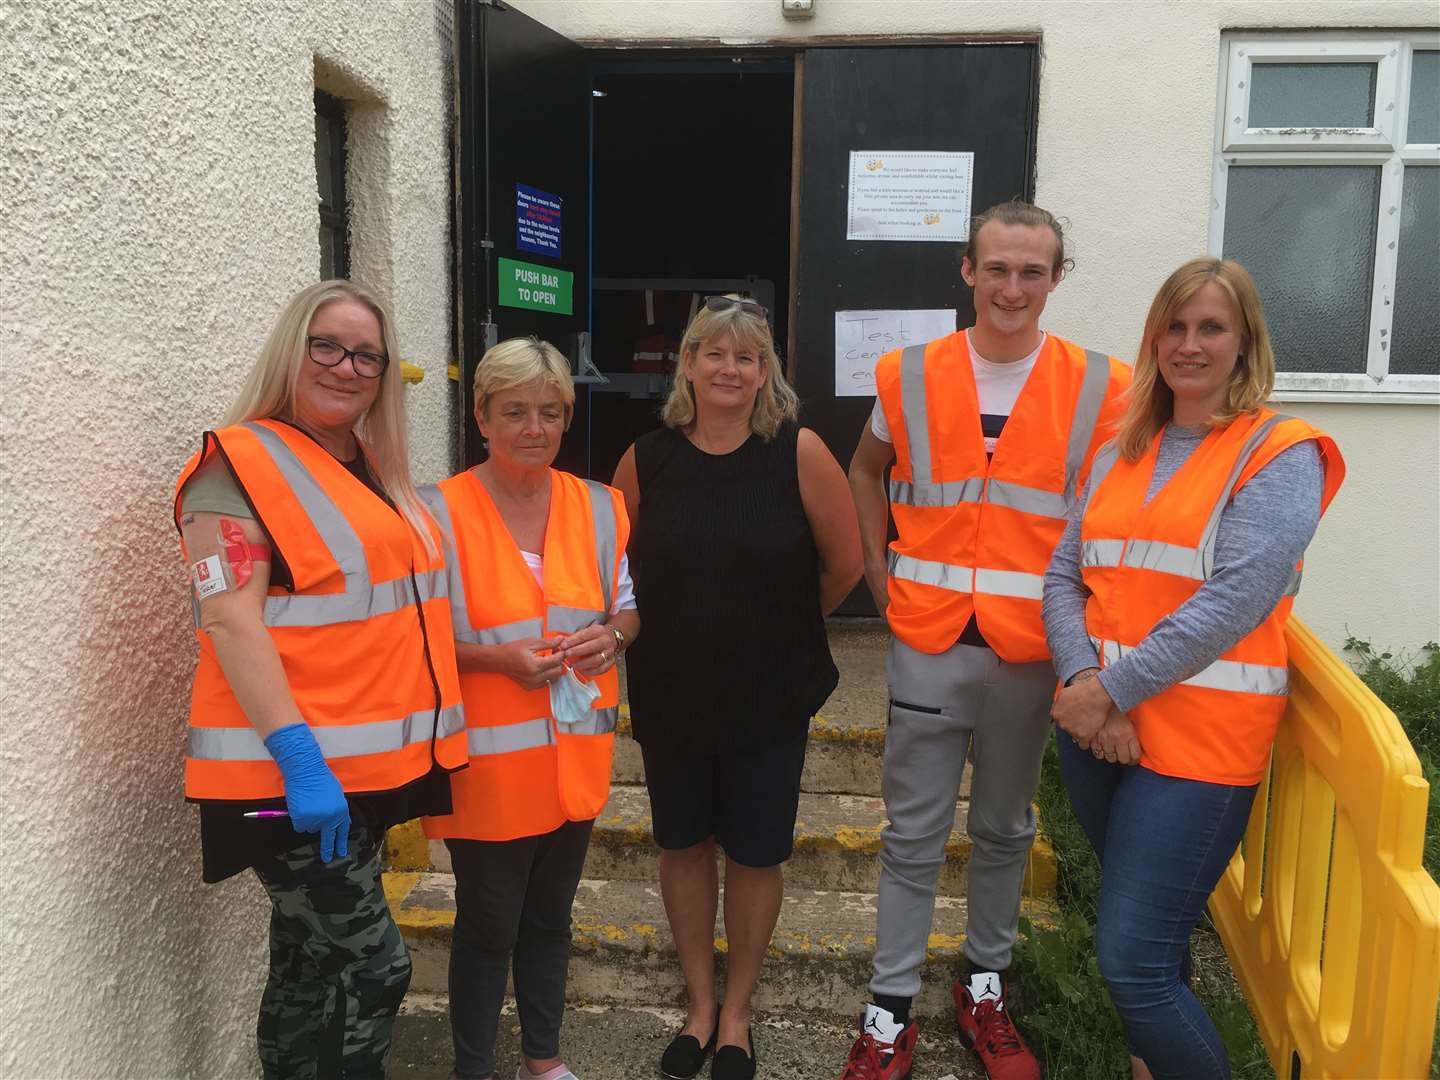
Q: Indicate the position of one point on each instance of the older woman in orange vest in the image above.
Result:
(542, 608)
(326, 705)
(1165, 608)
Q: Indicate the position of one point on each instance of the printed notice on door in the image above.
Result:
(915, 196)
(862, 337)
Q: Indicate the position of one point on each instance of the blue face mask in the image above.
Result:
(570, 699)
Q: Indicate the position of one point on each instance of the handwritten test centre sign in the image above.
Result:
(910, 195)
(862, 337)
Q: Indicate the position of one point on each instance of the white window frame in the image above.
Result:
(1238, 145)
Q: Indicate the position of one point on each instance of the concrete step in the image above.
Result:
(790, 1045)
(837, 839)
(819, 959)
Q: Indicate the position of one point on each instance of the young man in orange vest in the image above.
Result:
(991, 431)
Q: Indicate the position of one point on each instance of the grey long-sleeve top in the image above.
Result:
(1262, 532)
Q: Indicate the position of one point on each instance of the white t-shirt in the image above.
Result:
(997, 385)
(624, 587)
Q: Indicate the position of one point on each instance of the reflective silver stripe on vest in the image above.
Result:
(529, 734)
(503, 634)
(326, 609)
(915, 414)
(1292, 587)
(1101, 464)
(945, 493)
(1041, 503)
(599, 722)
(925, 572)
(602, 513)
(1012, 583)
(1196, 563)
(566, 620)
(434, 501)
(350, 740)
(1101, 552)
(508, 738)
(361, 600)
(1232, 675)
(1087, 414)
(922, 490)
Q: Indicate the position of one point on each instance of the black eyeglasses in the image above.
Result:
(329, 353)
(725, 303)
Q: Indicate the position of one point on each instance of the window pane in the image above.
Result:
(1424, 125)
(1307, 234)
(328, 268)
(1312, 95)
(324, 167)
(1415, 335)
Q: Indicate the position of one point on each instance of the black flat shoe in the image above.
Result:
(685, 1057)
(733, 1063)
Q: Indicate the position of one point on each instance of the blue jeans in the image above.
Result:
(1163, 843)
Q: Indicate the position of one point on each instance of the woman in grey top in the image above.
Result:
(1164, 608)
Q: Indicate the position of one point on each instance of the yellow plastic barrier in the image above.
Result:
(1331, 924)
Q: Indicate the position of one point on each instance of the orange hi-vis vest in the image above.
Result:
(975, 536)
(529, 773)
(363, 635)
(1142, 560)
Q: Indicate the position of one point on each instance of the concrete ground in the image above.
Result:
(603, 1043)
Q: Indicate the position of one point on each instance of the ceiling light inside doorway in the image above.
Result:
(797, 9)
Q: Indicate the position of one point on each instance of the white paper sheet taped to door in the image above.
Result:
(862, 337)
(910, 195)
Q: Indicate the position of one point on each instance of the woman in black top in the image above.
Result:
(743, 538)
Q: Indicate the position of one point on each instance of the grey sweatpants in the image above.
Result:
(965, 700)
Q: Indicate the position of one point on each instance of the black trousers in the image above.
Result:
(512, 903)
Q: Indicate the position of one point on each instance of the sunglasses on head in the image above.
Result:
(725, 303)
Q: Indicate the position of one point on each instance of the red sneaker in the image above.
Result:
(986, 1028)
(872, 1058)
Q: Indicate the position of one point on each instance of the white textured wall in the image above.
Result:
(1126, 133)
(157, 174)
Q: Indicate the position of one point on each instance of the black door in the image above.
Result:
(522, 202)
(978, 98)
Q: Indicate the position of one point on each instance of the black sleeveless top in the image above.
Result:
(732, 652)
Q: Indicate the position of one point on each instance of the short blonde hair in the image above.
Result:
(776, 401)
(518, 362)
(269, 391)
(1151, 403)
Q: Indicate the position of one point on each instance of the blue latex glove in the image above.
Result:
(313, 795)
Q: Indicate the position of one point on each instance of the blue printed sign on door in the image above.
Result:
(537, 221)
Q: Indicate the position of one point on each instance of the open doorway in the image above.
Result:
(691, 196)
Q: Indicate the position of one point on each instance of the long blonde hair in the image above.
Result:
(775, 402)
(269, 393)
(1151, 403)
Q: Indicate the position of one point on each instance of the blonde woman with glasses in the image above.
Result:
(326, 705)
(744, 539)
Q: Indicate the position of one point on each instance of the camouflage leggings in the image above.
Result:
(338, 965)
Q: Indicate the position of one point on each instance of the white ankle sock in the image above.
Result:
(880, 1023)
(985, 986)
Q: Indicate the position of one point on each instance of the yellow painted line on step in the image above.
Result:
(418, 918)
(398, 886)
(821, 728)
